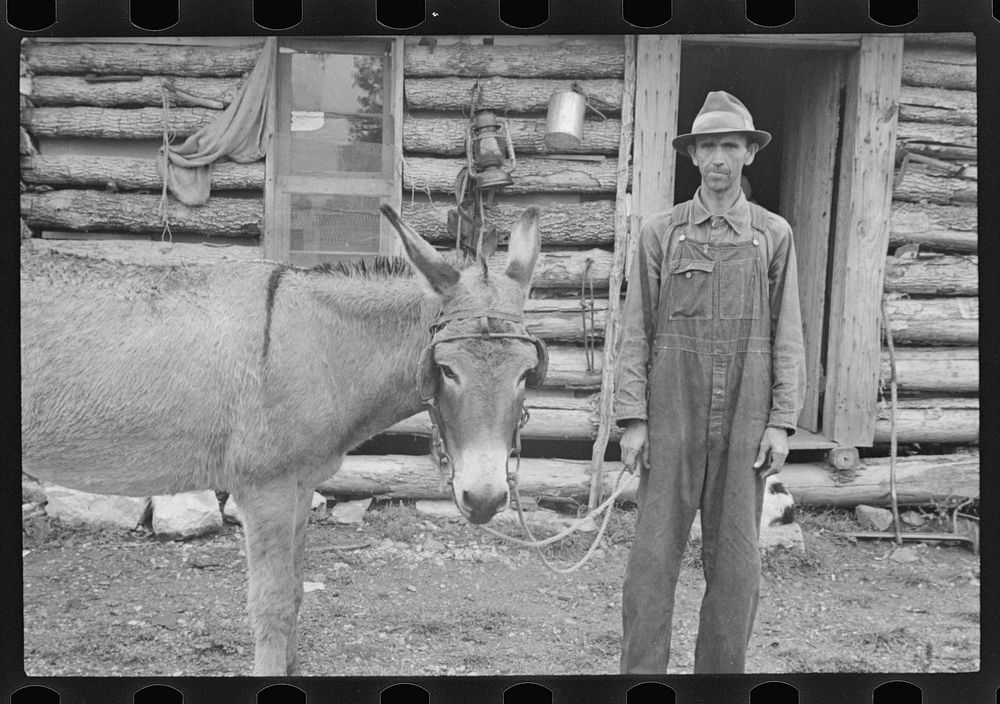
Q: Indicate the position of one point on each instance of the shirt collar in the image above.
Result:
(738, 215)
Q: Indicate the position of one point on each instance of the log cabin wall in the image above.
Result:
(577, 189)
(931, 277)
(92, 122)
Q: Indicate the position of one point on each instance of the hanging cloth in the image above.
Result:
(240, 133)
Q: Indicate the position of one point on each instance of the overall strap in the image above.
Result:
(758, 223)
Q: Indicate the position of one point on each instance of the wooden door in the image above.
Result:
(334, 158)
(808, 174)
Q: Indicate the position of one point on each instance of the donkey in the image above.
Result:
(257, 378)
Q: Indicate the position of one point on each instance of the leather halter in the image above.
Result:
(428, 395)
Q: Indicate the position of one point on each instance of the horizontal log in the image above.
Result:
(130, 174)
(446, 136)
(26, 147)
(920, 480)
(928, 104)
(562, 319)
(931, 186)
(140, 59)
(571, 59)
(588, 224)
(115, 123)
(940, 67)
(532, 175)
(937, 370)
(144, 251)
(951, 141)
(82, 210)
(935, 420)
(963, 39)
(934, 321)
(506, 94)
(567, 268)
(148, 91)
(936, 227)
(933, 274)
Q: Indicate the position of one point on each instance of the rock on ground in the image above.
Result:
(99, 510)
(187, 515)
(350, 512)
(872, 517)
(32, 491)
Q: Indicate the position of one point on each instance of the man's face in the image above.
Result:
(720, 158)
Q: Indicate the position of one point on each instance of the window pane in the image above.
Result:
(322, 144)
(336, 113)
(337, 83)
(328, 228)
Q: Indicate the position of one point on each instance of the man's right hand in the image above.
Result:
(634, 444)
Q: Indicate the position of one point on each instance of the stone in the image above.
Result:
(312, 586)
(350, 513)
(32, 491)
(187, 515)
(318, 504)
(98, 510)
(904, 555)
(438, 507)
(872, 517)
(912, 518)
(431, 545)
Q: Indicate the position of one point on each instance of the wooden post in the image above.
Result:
(657, 101)
(615, 278)
(862, 236)
(392, 243)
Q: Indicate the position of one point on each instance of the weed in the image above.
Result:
(894, 638)
(396, 521)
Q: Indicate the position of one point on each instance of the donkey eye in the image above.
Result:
(449, 372)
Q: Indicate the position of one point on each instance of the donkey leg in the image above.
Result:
(303, 504)
(269, 517)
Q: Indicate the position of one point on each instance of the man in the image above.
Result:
(711, 382)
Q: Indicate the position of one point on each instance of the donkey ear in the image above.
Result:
(436, 273)
(523, 248)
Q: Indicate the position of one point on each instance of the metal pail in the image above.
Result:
(564, 120)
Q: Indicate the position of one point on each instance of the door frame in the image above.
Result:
(860, 235)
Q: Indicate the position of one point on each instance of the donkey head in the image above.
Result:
(472, 376)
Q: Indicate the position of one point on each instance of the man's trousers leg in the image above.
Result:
(667, 504)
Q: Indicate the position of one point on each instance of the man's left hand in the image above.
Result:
(773, 451)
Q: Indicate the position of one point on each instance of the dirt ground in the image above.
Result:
(434, 596)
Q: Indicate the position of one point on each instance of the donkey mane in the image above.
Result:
(382, 267)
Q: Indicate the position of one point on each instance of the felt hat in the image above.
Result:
(722, 113)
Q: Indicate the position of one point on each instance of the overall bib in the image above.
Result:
(709, 400)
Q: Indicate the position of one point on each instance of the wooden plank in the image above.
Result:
(934, 227)
(937, 370)
(809, 149)
(397, 108)
(146, 251)
(507, 95)
(589, 224)
(140, 59)
(532, 175)
(124, 173)
(933, 274)
(862, 238)
(779, 41)
(657, 100)
(276, 244)
(929, 136)
(146, 92)
(570, 59)
(562, 319)
(445, 136)
(84, 210)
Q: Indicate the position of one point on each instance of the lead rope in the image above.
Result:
(533, 542)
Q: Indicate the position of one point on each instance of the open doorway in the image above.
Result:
(796, 94)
